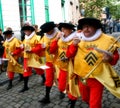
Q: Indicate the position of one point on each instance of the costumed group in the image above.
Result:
(78, 61)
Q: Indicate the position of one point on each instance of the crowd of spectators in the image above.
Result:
(110, 25)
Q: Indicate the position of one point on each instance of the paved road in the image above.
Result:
(29, 99)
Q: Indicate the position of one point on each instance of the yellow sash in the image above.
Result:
(73, 86)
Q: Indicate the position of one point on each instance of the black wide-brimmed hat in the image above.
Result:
(89, 21)
(8, 32)
(46, 27)
(30, 28)
(66, 25)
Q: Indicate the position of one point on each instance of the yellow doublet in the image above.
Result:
(45, 40)
(86, 57)
(61, 54)
(10, 47)
(29, 44)
(33, 59)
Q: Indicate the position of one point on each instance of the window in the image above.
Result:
(46, 10)
(26, 8)
(1, 18)
(63, 8)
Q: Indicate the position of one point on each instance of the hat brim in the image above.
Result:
(30, 28)
(46, 27)
(66, 25)
(8, 32)
(89, 21)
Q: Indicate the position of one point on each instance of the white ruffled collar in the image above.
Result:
(68, 38)
(30, 36)
(92, 38)
(8, 40)
(53, 34)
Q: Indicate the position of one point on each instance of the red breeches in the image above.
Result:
(28, 70)
(10, 75)
(71, 97)
(49, 75)
(62, 80)
(92, 93)
(39, 71)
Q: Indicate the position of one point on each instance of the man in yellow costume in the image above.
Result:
(94, 52)
(12, 53)
(59, 48)
(32, 49)
(51, 32)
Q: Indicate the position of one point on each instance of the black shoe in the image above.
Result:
(23, 90)
(72, 103)
(9, 87)
(62, 95)
(44, 100)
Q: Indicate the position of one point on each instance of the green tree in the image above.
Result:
(94, 8)
(115, 11)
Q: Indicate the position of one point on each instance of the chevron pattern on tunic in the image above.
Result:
(91, 59)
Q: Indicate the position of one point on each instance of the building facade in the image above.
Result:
(13, 13)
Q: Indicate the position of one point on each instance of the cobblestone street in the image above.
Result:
(29, 99)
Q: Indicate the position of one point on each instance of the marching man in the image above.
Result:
(59, 48)
(12, 53)
(51, 32)
(31, 48)
(94, 54)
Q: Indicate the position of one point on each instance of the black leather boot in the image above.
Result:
(62, 95)
(72, 103)
(46, 99)
(43, 79)
(25, 88)
(9, 85)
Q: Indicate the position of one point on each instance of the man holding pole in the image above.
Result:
(94, 54)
